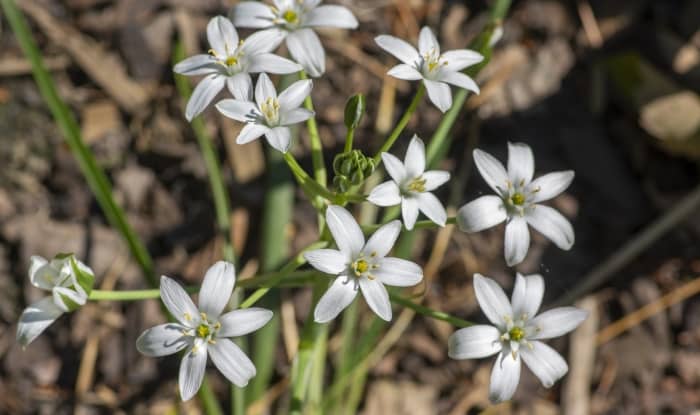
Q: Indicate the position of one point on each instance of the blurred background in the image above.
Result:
(608, 88)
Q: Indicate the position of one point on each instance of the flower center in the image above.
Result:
(290, 16)
(203, 331)
(361, 266)
(231, 60)
(271, 110)
(518, 199)
(431, 61)
(417, 185)
(516, 334)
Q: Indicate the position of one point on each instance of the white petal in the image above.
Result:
(492, 300)
(432, 208)
(557, 322)
(381, 242)
(491, 170)
(459, 79)
(331, 16)
(521, 163)
(406, 72)
(517, 241)
(339, 295)
(162, 340)
(241, 322)
(41, 273)
(203, 94)
(67, 298)
(243, 111)
(439, 94)
(263, 41)
(267, 62)
(456, 60)
(394, 167)
(240, 86)
(481, 213)
(192, 370)
(35, 319)
(434, 179)
(474, 342)
(196, 65)
(251, 132)
(400, 49)
(552, 224)
(264, 89)
(527, 295)
(217, 288)
(252, 14)
(222, 36)
(398, 272)
(427, 42)
(329, 261)
(294, 95)
(551, 185)
(505, 376)
(385, 194)
(544, 362)
(409, 211)
(415, 157)
(345, 230)
(232, 362)
(177, 301)
(280, 138)
(295, 116)
(377, 297)
(306, 48)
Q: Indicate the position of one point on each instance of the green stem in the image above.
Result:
(316, 144)
(349, 137)
(401, 124)
(311, 186)
(208, 398)
(429, 312)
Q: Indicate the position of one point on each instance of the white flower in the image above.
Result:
(411, 186)
(435, 69)
(269, 114)
(515, 334)
(360, 266)
(518, 202)
(69, 281)
(230, 63)
(294, 20)
(204, 331)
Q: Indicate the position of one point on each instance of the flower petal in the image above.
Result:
(252, 14)
(240, 86)
(553, 225)
(527, 295)
(491, 170)
(474, 342)
(178, 302)
(294, 95)
(439, 94)
(270, 63)
(481, 213)
(243, 111)
(280, 138)
(41, 273)
(163, 340)
(557, 322)
(345, 230)
(196, 65)
(203, 94)
(217, 288)
(329, 261)
(405, 72)
(459, 79)
(398, 272)
(251, 132)
(192, 370)
(414, 161)
(306, 48)
(505, 376)
(427, 43)
(232, 362)
(35, 319)
(399, 48)
(492, 300)
(263, 41)
(241, 322)
(434, 179)
(264, 89)
(544, 362)
(222, 36)
(521, 163)
(383, 239)
(432, 208)
(409, 211)
(551, 185)
(517, 241)
(61, 294)
(295, 116)
(339, 295)
(394, 167)
(385, 194)
(377, 297)
(331, 16)
(456, 60)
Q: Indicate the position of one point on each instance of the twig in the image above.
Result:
(577, 389)
(590, 24)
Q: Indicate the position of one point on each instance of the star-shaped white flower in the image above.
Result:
(360, 266)
(411, 186)
(204, 331)
(68, 280)
(269, 115)
(427, 63)
(295, 20)
(230, 63)
(518, 202)
(515, 334)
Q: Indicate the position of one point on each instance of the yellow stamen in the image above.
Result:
(518, 199)
(417, 185)
(516, 334)
(203, 331)
(290, 16)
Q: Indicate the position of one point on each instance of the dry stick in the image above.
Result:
(590, 24)
(642, 241)
(577, 388)
(679, 294)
